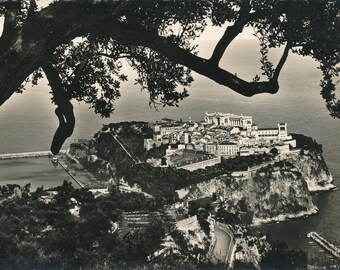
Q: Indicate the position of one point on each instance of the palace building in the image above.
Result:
(279, 133)
(228, 119)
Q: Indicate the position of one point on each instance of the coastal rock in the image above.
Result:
(249, 250)
(272, 193)
(314, 169)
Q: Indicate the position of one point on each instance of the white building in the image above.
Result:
(170, 151)
(280, 133)
(246, 152)
(210, 148)
(291, 142)
(227, 149)
(228, 119)
(150, 143)
(168, 129)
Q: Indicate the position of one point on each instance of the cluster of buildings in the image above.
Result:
(195, 145)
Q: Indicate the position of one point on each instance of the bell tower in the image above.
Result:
(283, 133)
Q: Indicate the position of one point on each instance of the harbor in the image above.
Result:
(36, 171)
(40, 169)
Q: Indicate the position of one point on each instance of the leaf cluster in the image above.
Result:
(312, 27)
(40, 234)
(92, 68)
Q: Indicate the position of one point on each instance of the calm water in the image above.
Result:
(27, 122)
(37, 171)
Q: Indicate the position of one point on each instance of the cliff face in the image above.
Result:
(267, 195)
(274, 192)
(314, 169)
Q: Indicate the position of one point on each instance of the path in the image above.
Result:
(134, 158)
(67, 171)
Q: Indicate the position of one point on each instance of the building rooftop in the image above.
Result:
(267, 129)
(171, 125)
(227, 114)
(185, 161)
(189, 157)
(228, 143)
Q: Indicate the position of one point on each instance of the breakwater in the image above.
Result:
(28, 154)
(333, 250)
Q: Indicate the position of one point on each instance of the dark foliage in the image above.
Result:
(132, 135)
(280, 257)
(45, 235)
(305, 142)
(309, 28)
(158, 180)
(226, 217)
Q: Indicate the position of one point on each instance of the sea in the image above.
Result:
(28, 122)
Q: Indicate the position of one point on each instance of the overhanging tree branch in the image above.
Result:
(25, 50)
(231, 33)
(64, 110)
(282, 61)
(58, 89)
(140, 37)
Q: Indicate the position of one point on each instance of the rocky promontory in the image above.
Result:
(313, 168)
(278, 191)
(259, 188)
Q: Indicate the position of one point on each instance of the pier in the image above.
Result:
(330, 248)
(28, 154)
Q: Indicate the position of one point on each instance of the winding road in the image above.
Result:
(224, 242)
